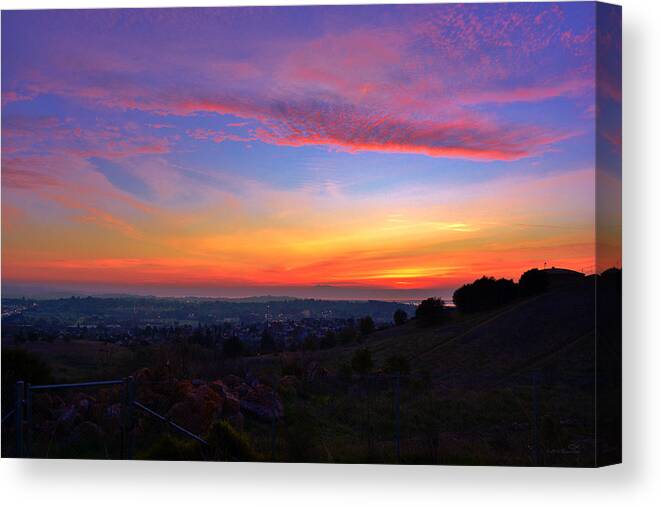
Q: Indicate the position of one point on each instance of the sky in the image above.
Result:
(384, 152)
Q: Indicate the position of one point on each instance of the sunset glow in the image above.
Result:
(348, 152)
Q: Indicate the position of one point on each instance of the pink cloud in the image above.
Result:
(531, 93)
(217, 136)
(376, 89)
(356, 130)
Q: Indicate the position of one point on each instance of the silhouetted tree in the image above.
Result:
(233, 347)
(534, 281)
(366, 325)
(611, 279)
(400, 317)
(267, 343)
(202, 337)
(346, 335)
(430, 312)
(361, 362)
(484, 294)
(328, 341)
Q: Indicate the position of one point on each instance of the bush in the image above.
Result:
(361, 362)
(228, 444)
(400, 317)
(484, 294)
(346, 335)
(533, 281)
(169, 448)
(366, 325)
(430, 312)
(397, 363)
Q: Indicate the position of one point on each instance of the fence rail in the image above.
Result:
(171, 423)
(23, 413)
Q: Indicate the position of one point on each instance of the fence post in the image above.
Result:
(535, 419)
(273, 422)
(20, 393)
(397, 417)
(28, 420)
(130, 398)
(122, 443)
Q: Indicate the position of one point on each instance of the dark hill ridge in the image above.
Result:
(517, 337)
(486, 348)
(560, 276)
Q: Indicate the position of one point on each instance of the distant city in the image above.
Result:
(127, 320)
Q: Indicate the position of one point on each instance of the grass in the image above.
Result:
(470, 401)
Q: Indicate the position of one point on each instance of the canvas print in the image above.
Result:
(384, 234)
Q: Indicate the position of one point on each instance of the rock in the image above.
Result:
(185, 414)
(198, 408)
(262, 403)
(220, 387)
(86, 440)
(242, 389)
(232, 381)
(114, 412)
(67, 418)
(232, 405)
(84, 406)
(67, 415)
(290, 381)
(144, 375)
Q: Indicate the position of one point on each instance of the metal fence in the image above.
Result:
(377, 418)
(23, 414)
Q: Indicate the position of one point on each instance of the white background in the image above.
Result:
(636, 482)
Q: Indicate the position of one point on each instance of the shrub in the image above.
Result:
(429, 312)
(400, 317)
(169, 448)
(361, 362)
(347, 335)
(533, 281)
(366, 325)
(228, 444)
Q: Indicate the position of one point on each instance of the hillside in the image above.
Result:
(514, 385)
